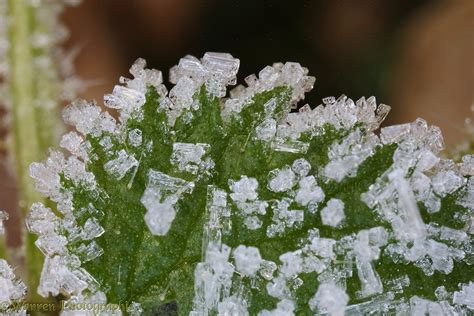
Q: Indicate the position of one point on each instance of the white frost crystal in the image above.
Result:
(247, 260)
(11, 289)
(232, 306)
(135, 137)
(281, 180)
(283, 217)
(348, 155)
(365, 253)
(446, 182)
(465, 296)
(160, 197)
(188, 157)
(3, 217)
(212, 278)
(119, 166)
(329, 299)
(309, 192)
(284, 308)
(333, 213)
(244, 189)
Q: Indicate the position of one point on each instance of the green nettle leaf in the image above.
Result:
(199, 203)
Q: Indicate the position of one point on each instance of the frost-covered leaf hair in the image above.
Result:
(198, 201)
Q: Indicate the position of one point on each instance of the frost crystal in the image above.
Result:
(347, 156)
(244, 189)
(333, 213)
(119, 166)
(284, 308)
(283, 217)
(187, 157)
(160, 197)
(329, 299)
(465, 296)
(247, 260)
(281, 180)
(11, 289)
(3, 217)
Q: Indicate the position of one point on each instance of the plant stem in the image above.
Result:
(26, 148)
(3, 250)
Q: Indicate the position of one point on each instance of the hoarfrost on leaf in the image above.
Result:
(239, 206)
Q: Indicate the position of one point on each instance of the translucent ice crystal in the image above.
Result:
(283, 217)
(266, 130)
(446, 182)
(217, 216)
(135, 137)
(349, 154)
(188, 157)
(41, 220)
(467, 165)
(60, 275)
(212, 279)
(88, 118)
(244, 189)
(413, 226)
(92, 229)
(370, 280)
(233, 305)
(125, 99)
(119, 166)
(75, 145)
(333, 213)
(289, 74)
(160, 197)
(281, 180)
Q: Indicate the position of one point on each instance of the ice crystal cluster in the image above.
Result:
(12, 289)
(203, 201)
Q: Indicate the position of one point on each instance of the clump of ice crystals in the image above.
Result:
(329, 299)
(12, 289)
(333, 213)
(306, 211)
(160, 197)
(247, 260)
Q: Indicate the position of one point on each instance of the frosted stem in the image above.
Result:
(25, 123)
